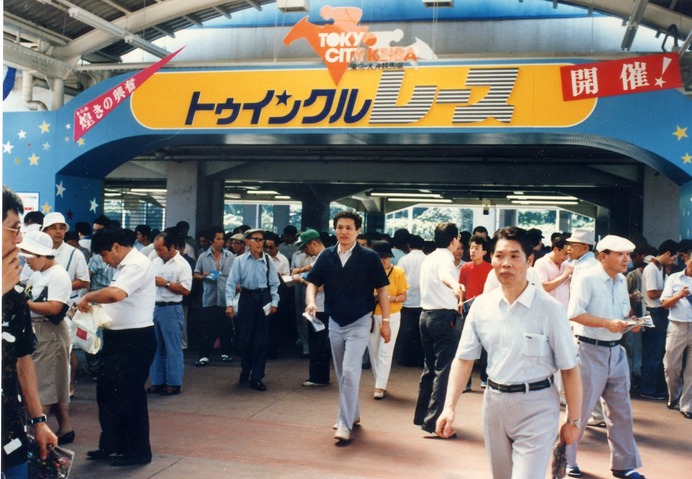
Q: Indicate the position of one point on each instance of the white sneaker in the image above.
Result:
(342, 434)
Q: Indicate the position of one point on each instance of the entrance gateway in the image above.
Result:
(384, 98)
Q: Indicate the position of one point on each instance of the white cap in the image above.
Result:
(615, 243)
(581, 235)
(54, 218)
(37, 243)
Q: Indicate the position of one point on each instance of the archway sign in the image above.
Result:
(359, 87)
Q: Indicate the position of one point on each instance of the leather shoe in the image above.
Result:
(258, 386)
(170, 390)
(687, 414)
(155, 389)
(673, 404)
(98, 454)
(130, 460)
(66, 438)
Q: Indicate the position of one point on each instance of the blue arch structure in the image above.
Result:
(40, 156)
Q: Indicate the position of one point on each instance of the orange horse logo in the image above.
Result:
(336, 43)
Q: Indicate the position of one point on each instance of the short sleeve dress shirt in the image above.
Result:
(682, 311)
(135, 276)
(175, 270)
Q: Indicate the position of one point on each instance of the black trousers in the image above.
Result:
(215, 324)
(440, 342)
(320, 351)
(253, 328)
(409, 349)
(122, 372)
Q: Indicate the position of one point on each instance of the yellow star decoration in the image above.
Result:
(46, 208)
(687, 158)
(81, 142)
(18, 160)
(680, 133)
(45, 127)
(33, 160)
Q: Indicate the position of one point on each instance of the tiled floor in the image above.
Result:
(219, 429)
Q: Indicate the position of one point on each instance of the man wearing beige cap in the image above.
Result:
(579, 246)
(599, 309)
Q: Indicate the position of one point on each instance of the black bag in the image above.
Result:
(57, 318)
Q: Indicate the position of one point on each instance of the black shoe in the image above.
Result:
(130, 460)
(673, 404)
(170, 390)
(98, 455)
(687, 414)
(66, 438)
(258, 386)
(155, 389)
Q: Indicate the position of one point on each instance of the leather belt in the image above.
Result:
(598, 342)
(521, 388)
(253, 291)
(168, 303)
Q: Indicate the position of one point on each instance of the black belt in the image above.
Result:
(521, 388)
(168, 303)
(253, 291)
(598, 342)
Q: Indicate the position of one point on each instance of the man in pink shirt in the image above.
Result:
(555, 272)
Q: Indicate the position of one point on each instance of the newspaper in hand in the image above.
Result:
(316, 323)
(644, 322)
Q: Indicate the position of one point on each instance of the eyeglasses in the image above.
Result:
(256, 239)
(16, 230)
(269, 246)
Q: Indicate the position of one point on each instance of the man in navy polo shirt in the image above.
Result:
(350, 274)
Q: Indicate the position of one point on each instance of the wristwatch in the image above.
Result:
(575, 422)
(36, 420)
(168, 284)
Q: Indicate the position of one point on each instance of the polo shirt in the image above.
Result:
(682, 311)
(596, 293)
(652, 280)
(473, 277)
(397, 285)
(348, 288)
(527, 341)
(135, 276)
(175, 270)
(547, 270)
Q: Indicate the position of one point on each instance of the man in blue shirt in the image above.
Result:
(254, 277)
(350, 274)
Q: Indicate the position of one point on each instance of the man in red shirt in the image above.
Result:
(472, 277)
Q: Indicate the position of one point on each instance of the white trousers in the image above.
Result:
(381, 353)
(348, 346)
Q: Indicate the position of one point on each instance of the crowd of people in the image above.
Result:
(543, 326)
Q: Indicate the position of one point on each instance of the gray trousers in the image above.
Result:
(679, 350)
(520, 430)
(605, 374)
(348, 346)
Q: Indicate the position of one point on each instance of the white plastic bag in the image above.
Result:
(85, 326)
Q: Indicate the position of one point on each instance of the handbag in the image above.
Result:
(84, 328)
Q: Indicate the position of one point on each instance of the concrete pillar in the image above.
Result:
(251, 215)
(282, 217)
(661, 216)
(315, 216)
(374, 223)
(181, 194)
(57, 98)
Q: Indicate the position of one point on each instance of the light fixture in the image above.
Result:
(262, 192)
(148, 190)
(438, 3)
(232, 196)
(408, 195)
(418, 200)
(542, 197)
(95, 21)
(282, 197)
(287, 6)
(544, 202)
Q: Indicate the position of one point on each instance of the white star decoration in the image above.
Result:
(61, 189)
(21, 134)
(68, 126)
(7, 147)
(94, 205)
(659, 82)
(46, 146)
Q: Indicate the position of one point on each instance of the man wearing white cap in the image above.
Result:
(599, 308)
(69, 257)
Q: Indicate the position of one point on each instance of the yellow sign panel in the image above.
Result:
(429, 97)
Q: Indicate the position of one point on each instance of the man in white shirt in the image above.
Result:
(409, 348)
(599, 309)
(173, 277)
(279, 320)
(128, 349)
(528, 339)
(653, 383)
(440, 293)
(676, 298)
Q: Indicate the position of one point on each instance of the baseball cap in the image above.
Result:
(305, 237)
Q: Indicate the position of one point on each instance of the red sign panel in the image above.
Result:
(620, 77)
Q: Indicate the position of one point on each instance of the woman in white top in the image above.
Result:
(49, 289)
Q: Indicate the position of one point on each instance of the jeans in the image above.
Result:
(439, 344)
(167, 367)
(653, 381)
